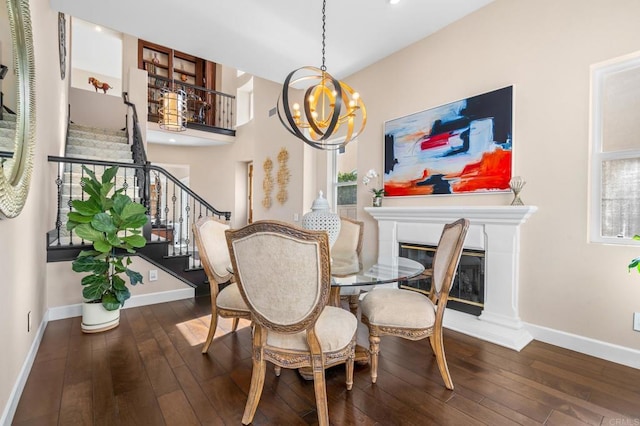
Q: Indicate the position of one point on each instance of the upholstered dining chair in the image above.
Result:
(412, 315)
(346, 257)
(214, 254)
(283, 273)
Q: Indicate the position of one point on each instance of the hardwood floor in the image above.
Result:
(149, 371)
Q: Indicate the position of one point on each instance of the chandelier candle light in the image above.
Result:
(318, 109)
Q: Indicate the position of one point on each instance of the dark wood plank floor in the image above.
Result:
(149, 371)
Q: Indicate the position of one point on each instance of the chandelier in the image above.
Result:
(173, 107)
(318, 109)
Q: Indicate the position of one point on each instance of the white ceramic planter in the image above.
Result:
(95, 318)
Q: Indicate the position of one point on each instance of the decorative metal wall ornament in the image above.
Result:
(283, 176)
(332, 113)
(267, 183)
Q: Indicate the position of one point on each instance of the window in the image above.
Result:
(244, 103)
(615, 159)
(345, 180)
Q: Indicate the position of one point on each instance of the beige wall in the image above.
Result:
(64, 288)
(95, 109)
(544, 48)
(23, 279)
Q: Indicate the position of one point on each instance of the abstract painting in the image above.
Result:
(458, 148)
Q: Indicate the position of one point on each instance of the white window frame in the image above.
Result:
(598, 74)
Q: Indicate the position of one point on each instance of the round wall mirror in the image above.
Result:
(16, 166)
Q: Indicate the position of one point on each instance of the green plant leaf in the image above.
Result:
(94, 291)
(110, 301)
(135, 221)
(102, 245)
(90, 187)
(113, 239)
(120, 201)
(86, 207)
(87, 232)
(109, 173)
(79, 218)
(122, 295)
(90, 173)
(89, 264)
(135, 277)
(118, 283)
(103, 223)
(100, 280)
(136, 241)
(133, 209)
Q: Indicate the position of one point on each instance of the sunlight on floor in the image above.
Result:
(195, 331)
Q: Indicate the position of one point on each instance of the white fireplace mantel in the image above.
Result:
(494, 229)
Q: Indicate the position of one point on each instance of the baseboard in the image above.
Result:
(597, 348)
(70, 311)
(18, 387)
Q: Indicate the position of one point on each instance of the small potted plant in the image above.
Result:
(378, 193)
(113, 223)
(635, 263)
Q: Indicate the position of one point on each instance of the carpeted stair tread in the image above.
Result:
(96, 130)
(75, 151)
(75, 134)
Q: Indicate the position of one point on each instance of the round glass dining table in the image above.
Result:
(347, 275)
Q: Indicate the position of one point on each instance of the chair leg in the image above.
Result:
(234, 325)
(349, 368)
(212, 328)
(255, 391)
(321, 396)
(354, 299)
(441, 359)
(374, 350)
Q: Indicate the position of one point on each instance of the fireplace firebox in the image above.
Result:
(467, 291)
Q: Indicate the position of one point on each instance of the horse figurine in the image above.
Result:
(99, 85)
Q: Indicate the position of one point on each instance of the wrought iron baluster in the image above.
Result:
(173, 219)
(59, 185)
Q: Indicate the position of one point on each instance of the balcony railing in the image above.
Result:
(205, 107)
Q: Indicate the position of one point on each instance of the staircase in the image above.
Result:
(179, 258)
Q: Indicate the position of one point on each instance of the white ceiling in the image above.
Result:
(270, 38)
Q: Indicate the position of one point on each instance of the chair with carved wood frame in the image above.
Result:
(283, 273)
(214, 254)
(412, 315)
(346, 257)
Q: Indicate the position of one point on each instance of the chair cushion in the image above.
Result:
(335, 329)
(398, 308)
(230, 298)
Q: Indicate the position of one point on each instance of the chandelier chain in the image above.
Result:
(324, 4)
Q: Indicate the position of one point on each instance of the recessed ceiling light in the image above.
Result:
(172, 140)
(98, 28)
(394, 1)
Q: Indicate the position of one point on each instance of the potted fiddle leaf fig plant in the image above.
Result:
(113, 223)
